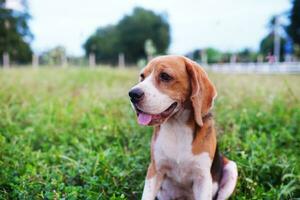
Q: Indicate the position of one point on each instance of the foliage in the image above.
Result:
(267, 46)
(213, 55)
(149, 48)
(129, 37)
(267, 43)
(71, 134)
(247, 55)
(139, 27)
(216, 56)
(15, 34)
(105, 44)
(294, 27)
(195, 55)
(54, 56)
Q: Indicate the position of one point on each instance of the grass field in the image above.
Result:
(71, 134)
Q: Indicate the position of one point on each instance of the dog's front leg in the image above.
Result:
(152, 183)
(202, 187)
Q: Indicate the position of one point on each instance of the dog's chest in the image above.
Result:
(173, 153)
(174, 143)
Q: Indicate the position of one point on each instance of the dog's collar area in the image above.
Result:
(188, 105)
(207, 116)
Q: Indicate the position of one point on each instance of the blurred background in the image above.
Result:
(89, 33)
(67, 130)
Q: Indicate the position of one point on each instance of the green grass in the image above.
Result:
(71, 134)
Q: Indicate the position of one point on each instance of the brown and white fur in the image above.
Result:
(175, 96)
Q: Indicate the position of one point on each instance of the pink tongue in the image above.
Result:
(144, 119)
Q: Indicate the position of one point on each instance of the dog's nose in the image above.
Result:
(136, 95)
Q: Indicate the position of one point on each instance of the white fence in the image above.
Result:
(260, 68)
(63, 61)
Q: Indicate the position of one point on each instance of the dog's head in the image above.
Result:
(166, 84)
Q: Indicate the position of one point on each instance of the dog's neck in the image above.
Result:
(185, 116)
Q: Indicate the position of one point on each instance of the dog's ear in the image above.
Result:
(203, 91)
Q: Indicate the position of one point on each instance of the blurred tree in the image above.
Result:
(216, 56)
(267, 46)
(226, 56)
(55, 56)
(293, 29)
(129, 36)
(196, 55)
(267, 43)
(135, 29)
(213, 55)
(105, 44)
(247, 55)
(150, 49)
(14, 32)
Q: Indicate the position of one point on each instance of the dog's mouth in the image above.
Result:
(149, 119)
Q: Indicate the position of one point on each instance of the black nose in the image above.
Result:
(136, 95)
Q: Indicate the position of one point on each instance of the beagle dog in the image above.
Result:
(175, 96)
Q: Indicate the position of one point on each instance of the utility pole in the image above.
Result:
(276, 40)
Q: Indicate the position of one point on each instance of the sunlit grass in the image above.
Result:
(71, 133)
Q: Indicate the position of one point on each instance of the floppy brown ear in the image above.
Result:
(203, 91)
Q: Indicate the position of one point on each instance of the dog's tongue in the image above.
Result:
(144, 119)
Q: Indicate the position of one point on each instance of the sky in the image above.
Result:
(228, 25)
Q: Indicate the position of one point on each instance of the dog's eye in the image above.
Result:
(142, 77)
(165, 77)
